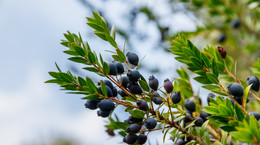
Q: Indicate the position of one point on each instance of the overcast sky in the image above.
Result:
(30, 110)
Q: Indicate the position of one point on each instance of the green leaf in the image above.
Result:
(103, 88)
(65, 77)
(101, 35)
(92, 69)
(205, 60)
(57, 67)
(95, 26)
(144, 85)
(239, 113)
(202, 79)
(79, 50)
(106, 69)
(228, 128)
(91, 85)
(137, 113)
(111, 41)
(113, 32)
(229, 64)
(90, 97)
(203, 128)
(78, 60)
(121, 55)
(212, 77)
(246, 95)
(54, 75)
(54, 81)
(211, 110)
(212, 87)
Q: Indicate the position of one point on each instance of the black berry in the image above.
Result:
(133, 75)
(204, 116)
(120, 67)
(168, 86)
(150, 123)
(132, 120)
(114, 90)
(222, 52)
(235, 89)
(142, 105)
(157, 100)
(134, 88)
(240, 100)
(124, 81)
(210, 95)
(141, 139)
(106, 105)
(92, 104)
(176, 97)
(132, 58)
(190, 105)
(134, 128)
(236, 23)
(130, 139)
(112, 69)
(122, 93)
(153, 83)
(181, 142)
(108, 83)
(109, 91)
(187, 119)
(199, 121)
(103, 113)
(255, 81)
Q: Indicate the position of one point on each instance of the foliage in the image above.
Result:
(228, 121)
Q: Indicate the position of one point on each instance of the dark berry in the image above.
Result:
(255, 81)
(103, 113)
(204, 116)
(108, 83)
(187, 119)
(109, 91)
(106, 105)
(122, 93)
(199, 121)
(134, 128)
(120, 67)
(222, 37)
(130, 139)
(210, 95)
(92, 104)
(153, 83)
(157, 100)
(135, 120)
(176, 97)
(190, 105)
(134, 88)
(110, 132)
(240, 100)
(235, 89)
(168, 86)
(150, 123)
(133, 75)
(132, 58)
(257, 115)
(222, 52)
(124, 81)
(236, 23)
(114, 90)
(181, 142)
(128, 121)
(142, 105)
(112, 69)
(155, 93)
(141, 139)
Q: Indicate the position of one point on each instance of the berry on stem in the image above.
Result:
(255, 81)
(199, 121)
(235, 89)
(141, 139)
(210, 95)
(106, 105)
(103, 114)
(150, 123)
(133, 75)
(142, 105)
(134, 88)
(125, 81)
(157, 100)
(222, 52)
(112, 69)
(130, 139)
(92, 104)
(190, 105)
(134, 128)
(176, 97)
(132, 58)
(153, 82)
(168, 86)
(120, 67)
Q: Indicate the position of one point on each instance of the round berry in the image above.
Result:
(187, 119)
(110, 132)
(130, 139)
(222, 52)
(190, 105)
(141, 139)
(112, 69)
(181, 142)
(168, 86)
(142, 105)
(176, 97)
(257, 115)
(124, 81)
(103, 114)
(157, 100)
(236, 23)
(210, 95)
(120, 67)
(109, 91)
(135, 120)
(255, 81)
(134, 88)
(114, 90)
(150, 123)
(108, 83)
(132, 58)
(153, 83)
(122, 93)
(204, 116)
(199, 121)
(235, 89)
(106, 105)
(222, 38)
(92, 104)
(134, 128)
(133, 75)
(155, 93)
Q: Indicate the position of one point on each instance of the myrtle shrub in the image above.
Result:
(224, 120)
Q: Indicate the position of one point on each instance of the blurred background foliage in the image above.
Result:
(232, 24)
